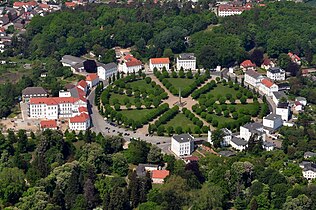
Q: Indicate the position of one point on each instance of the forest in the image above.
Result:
(54, 171)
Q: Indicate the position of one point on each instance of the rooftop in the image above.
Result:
(247, 63)
(71, 60)
(253, 126)
(308, 166)
(239, 141)
(108, 66)
(159, 60)
(159, 174)
(53, 100)
(82, 83)
(226, 131)
(279, 94)
(91, 77)
(311, 154)
(33, 91)
(266, 82)
(186, 56)
(275, 70)
(141, 169)
(253, 74)
(272, 117)
(227, 153)
(300, 99)
(83, 117)
(268, 144)
(183, 138)
(48, 124)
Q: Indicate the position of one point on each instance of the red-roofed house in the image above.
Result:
(92, 80)
(48, 124)
(158, 176)
(80, 122)
(131, 64)
(19, 4)
(83, 85)
(294, 58)
(83, 110)
(267, 63)
(247, 65)
(70, 4)
(298, 106)
(159, 63)
(191, 159)
(267, 87)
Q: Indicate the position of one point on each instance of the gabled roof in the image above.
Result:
(53, 100)
(83, 117)
(82, 83)
(192, 158)
(186, 56)
(275, 70)
(247, 63)
(34, 91)
(297, 103)
(183, 138)
(70, 4)
(239, 141)
(159, 174)
(48, 124)
(83, 109)
(92, 77)
(279, 94)
(159, 60)
(266, 62)
(107, 66)
(253, 74)
(266, 82)
(293, 56)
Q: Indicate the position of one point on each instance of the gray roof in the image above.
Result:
(311, 154)
(34, 91)
(74, 92)
(272, 117)
(141, 170)
(71, 60)
(275, 70)
(300, 99)
(227, 153)
(239, 141)
(253, 74)
(268, 144)
(187, 56)
(279, 94)
(283, 105)
(308, 166)
(108, 66)
(253, 126)
(183, 138)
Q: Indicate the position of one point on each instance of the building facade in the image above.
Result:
(80, 122)
(159, 63)
(186, 61)
(106, 70)
(182, 145)
(267, 87)
(273, 121)
(252, 78)
(276, 73)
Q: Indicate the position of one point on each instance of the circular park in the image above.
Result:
(176, 102)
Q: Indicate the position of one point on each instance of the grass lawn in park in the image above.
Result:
(223, 90)
(180, 82)
(140, 84)
(221, 119)
(243, 106)
(180, 120)
(121, 98)
(135, 114)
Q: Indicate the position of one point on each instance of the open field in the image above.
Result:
(180, 82)
(180, 120)
(135, 114)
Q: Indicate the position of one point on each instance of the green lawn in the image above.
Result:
(121, 98)
(140, 84)
(243, 106)
(180, 82)
(136, 114)
(182, 121)
(221, 119)
(223, 90)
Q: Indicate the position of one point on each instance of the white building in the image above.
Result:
(54, 107)
(268, 146)
(48, 124)
(226, 138)
(267, 87)
(83, 85)
(238, 144)
(302, 100)
(106, 70)
(247, 65)
(64, 94)
(80, 122)
(273, 121)
(33, 92)
(182, 144)
(277, 96)
(309, 170)
(283, 110)
(247, 130)
(159, 63)
(75, 63)
(276, 73)
(186, 61)
(92, 80)
(267, 63)
(131, 64)
(252, 78)
(228, 10)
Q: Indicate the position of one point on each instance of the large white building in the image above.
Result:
(267, 87)
(277, 96)
(159, 63)
(276, 73)
(80, 122)
(55, 107)
(75, 63)
(272, 121)
(106, 70)
(228, 10)
(92, 80)
(309, 170)
(227, 137)
(238, 143)
(247, 130)
(182, 144)
(283, 110)
(252, 78)
(131, 64)
(186, 61)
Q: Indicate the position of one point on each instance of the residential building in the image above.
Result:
(48, 124)
(83, 85)
(159, 63)
(309, 170)
(276, 73)
(267, 63)
(54, 107)
(309, 155)
(92, 80)
(182, 144)
(252, 78)
(283, 109)
(268, 146)
(226, 153)
(279, 96)
(294, 58)
(80, 122)
(158, 176)
(238, 144)
(64, 94)
(131, 64)
(106, 70)
(247, 65)
(298, 106)
(227, 137)
(225, 10)
(186, 61)
(33, 92)
(191, 159)
(143, 169)
(75, 63)
(267, 87)
(273, 121)
(302, 100)
(249, 129)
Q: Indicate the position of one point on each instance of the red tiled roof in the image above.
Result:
(268, 83)
(83, 117)
(91, 77)
(247, 63)
(266, 62)
(192, 158)
(159, 60)
(159, 174)
(131, 61)
(53, 100)
(293, 56)
(83, 109)
(21, 4)
(70, 4)
(297, 103)
(44, 6)
(82, 83)
(48, 124)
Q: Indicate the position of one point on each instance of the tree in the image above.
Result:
(154, 154)
(217, 137)
(257, 56)
(120, 165)
(209, 197)
(302, 202)
(34, 198)
(137, 152)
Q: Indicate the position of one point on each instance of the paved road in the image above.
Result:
(100, 125)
